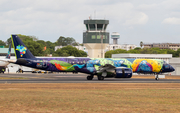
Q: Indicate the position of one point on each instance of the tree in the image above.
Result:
(70, 51)
(141, 44)
(70, 41)
(50, 47)
(82, 53)
(35, 48)
(176, 53)
(61, 41)
(75, 44)
(108, 54)
(8, 41)
(2, 43)
(65, 41)
(42, 42)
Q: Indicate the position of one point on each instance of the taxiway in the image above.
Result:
(73, 78)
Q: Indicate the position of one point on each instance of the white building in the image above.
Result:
(123, 46)
(83, 48)
(165, 57)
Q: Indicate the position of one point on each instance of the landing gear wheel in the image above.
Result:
(89, 77)
(100, 78)
(157, 78)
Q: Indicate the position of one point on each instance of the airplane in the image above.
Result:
(102, 67)
(5, 62)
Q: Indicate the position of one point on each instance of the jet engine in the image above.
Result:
(123, 73)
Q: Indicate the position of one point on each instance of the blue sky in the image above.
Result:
(136, 20)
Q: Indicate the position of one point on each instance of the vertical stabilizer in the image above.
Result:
(9, 53)
(21, 51)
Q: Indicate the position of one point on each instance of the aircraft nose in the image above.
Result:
(172, 68)
(168, 68)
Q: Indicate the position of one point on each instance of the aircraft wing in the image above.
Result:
(8, 60)
(106, 67)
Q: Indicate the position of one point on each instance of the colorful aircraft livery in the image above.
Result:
(102, 67)
(4, 62)
(21, 49)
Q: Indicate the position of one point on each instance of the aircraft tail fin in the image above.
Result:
(21, 51)
(9, 53)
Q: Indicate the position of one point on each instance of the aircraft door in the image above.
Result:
(123, 74)
(44, 64)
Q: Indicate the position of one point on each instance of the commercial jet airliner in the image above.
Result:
(5, 62)
(102, 67)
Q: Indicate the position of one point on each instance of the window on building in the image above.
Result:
(93, 37)
(99, 36)
(92, 26)
(105, 26)
(87, 27)
(99, 26)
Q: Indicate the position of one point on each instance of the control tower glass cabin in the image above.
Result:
(95, 29)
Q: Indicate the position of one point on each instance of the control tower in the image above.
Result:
(95, 38)
(115, 36)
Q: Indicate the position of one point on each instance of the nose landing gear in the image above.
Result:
(157, 77)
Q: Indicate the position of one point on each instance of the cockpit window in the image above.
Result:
(164, 62)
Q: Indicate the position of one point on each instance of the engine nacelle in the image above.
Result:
(123, 73)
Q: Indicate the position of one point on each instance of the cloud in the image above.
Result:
(139, 18)
(48, 20)
(171, 20)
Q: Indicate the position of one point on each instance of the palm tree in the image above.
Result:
(141, 44)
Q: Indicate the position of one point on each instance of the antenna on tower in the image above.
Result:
(95, 14)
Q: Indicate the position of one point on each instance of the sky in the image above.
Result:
(149, 21)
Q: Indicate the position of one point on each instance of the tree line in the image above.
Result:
(139, 50)
(44, 48)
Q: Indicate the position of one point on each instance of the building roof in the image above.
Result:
(142, 56)
(5, 50)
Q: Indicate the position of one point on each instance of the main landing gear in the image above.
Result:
(100, 77)
(90, 77)
(157, 77)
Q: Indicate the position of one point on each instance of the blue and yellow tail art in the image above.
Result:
(21, 51)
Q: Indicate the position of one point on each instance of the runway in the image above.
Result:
(74, 78)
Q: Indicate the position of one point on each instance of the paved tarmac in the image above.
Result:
(73, 78)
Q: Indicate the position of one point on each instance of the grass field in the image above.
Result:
(90, 97)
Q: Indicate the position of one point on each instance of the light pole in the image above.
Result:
(101, 45)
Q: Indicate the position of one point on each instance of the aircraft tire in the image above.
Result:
(89, 77)
(100, 78)
(156, 78)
